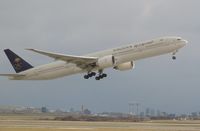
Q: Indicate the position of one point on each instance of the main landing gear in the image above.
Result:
(100, 76)
(89, 75)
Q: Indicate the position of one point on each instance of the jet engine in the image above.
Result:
(106, 61)
(125, 66)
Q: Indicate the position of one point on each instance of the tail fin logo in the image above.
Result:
(18, 63)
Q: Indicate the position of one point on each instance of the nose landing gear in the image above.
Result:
(174, 55)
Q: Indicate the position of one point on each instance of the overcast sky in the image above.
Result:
(79, 27)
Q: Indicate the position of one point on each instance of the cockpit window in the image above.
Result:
(179, 39)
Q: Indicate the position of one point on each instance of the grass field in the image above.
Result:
(30, 123)
(40, 129)
(103, 129)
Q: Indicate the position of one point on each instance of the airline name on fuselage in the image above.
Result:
(129, 47)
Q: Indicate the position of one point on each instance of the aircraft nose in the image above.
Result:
(184, 42)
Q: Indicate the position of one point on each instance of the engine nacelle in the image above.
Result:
(106, 61)
(125, 66)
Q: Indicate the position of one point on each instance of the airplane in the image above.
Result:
(121, 58)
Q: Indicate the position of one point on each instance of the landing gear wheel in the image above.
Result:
(104, 75)
(101, 75)
(97, 78)
(174, 57)
(89, 75)
(86, 76)
(93, 74)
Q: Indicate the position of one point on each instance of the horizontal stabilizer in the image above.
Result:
(12, 75)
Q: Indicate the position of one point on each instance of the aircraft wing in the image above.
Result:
(80, 61)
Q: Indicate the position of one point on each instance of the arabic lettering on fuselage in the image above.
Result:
(131, 46)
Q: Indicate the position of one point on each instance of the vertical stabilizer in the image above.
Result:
(17, 62)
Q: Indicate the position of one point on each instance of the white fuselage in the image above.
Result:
(132, 52)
